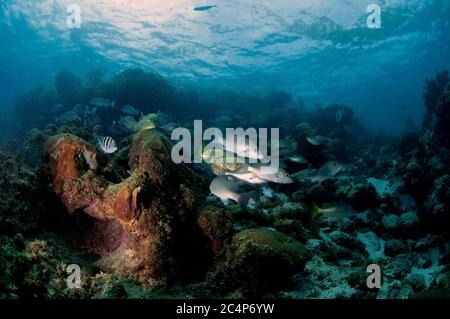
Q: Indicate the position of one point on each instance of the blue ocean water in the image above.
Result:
(320, 50)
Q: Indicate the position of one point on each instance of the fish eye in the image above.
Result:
(286, 174)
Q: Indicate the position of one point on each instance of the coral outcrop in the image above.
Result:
(141, 219)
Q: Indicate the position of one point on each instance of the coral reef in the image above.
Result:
(433, 93)
(442, 112)
(141, 226)
(142, 214)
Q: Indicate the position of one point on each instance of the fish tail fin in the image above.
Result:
(244, 198)
(315, 214)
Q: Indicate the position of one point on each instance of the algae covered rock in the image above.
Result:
(261, 260)
(363, 196)
(216, 224)
(391, 222)
(410, 222)
(274, 240)
(145, 225)
(438, 201)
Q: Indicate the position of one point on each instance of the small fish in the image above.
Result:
(279, 177)
(130, 110)
(101, 102)
(113, 128)
(69, 117)
(248, 177)
(107, 145)
(92, 120)
(243, 147)
(299, 159)
(267, 191)
(128, 122)
(317, 140)
(235, 169)
(327, 171)
(288, 144)
(81, 109)
(339, 211)
(226, 163)
(147, 122)
(204, 8)
(226, 190)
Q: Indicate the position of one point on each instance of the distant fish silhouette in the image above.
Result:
(327, 171)
(317, 140)
(204, 8)
(101, 102)
(130, 110)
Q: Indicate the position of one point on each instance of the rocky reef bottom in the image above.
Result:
(128, 222)
(156, 233)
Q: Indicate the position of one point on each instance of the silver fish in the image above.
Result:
(130, 110)
(334, 210)
(299, 159)
(128, 122)
(69, 117)
(225, 190)
(317, 140)
(267, 191)
(248, 177)
(243, 147)
(81, 109)
(101, 102)
(279, 177)
(107, 145)
(327, 171)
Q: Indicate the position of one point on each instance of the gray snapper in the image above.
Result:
(327, 171)
(225, 190)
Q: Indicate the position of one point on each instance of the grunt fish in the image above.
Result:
(225, 190)
(327, 171)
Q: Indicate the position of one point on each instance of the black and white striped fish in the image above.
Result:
(107, 144)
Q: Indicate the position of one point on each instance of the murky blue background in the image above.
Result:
(317, 49)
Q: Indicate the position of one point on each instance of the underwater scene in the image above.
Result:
(224, 149)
